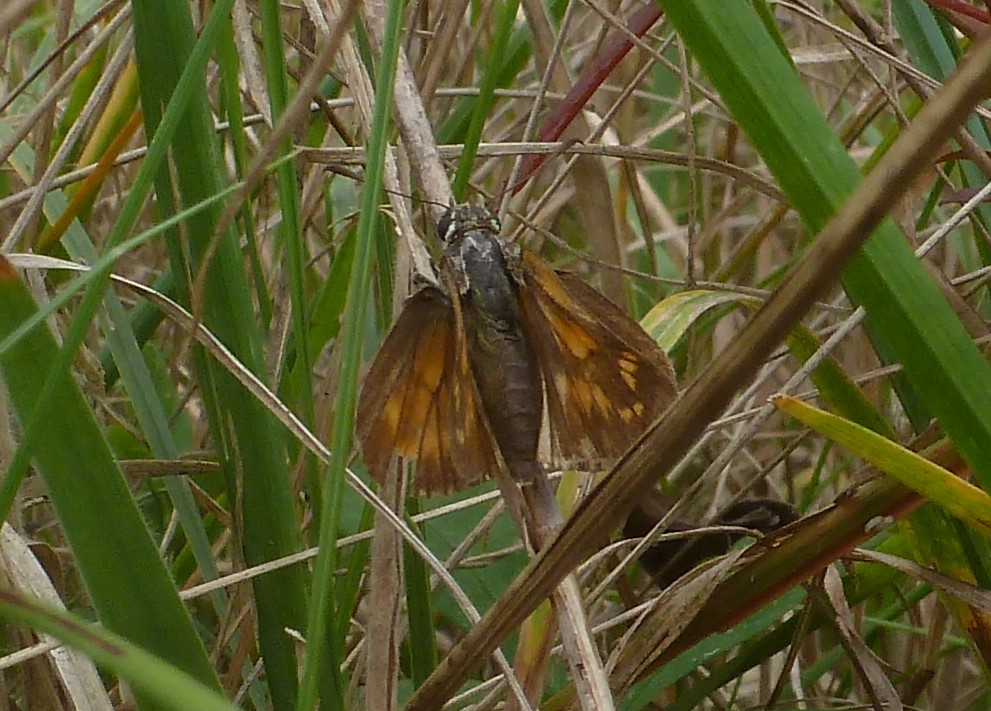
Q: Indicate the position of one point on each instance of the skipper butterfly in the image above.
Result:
(461, 380)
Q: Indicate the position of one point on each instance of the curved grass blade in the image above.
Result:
(251, 444)
(351, 344)
(670, 319)
(960, 498)
(131, 590)
(163, 685)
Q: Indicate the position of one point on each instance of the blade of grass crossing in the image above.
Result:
(290, 229)
(770, 103)
(166, 687)
(250, 443)
(290, 238)
(94, 279)
(351, 343)
(130, 589)
(229, 63)
(152, 415)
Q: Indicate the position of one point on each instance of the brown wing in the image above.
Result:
(419, 401)
(606, 380)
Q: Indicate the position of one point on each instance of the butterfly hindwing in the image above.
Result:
(605, 379)
(419, 400)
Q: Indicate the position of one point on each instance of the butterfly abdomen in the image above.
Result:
(509, 385)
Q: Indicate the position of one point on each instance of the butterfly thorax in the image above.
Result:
(485, 281)
(504, 365)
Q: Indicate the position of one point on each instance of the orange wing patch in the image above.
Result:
(605, 379)
(419, 401)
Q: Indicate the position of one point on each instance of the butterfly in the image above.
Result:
(459, 384)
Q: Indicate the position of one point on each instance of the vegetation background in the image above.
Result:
(210, 213)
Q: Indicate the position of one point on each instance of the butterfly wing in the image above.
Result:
(605, 379)
(419, 400)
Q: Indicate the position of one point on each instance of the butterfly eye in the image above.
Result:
(447, 225)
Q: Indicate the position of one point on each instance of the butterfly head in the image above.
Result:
(462, 219)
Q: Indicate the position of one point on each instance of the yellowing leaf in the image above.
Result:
(668, 321)
(962, 499)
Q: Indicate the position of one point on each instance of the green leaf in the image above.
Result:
(251, 443)
(131, 590)
(671, 318)
(166, 686)
(904, 307)
(960, 498)
(836, 387)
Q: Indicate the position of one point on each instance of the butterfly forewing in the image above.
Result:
(605, 379)
(419, 401)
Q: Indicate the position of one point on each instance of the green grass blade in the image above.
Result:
(518, 52)
(290, 229)
(482, 106)
(251, 443)
(165, 686)
(836, 387)
(131, 590)
(351, 343)
(422, 648)
(669, 320)
(903, 304)
(962, 499)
